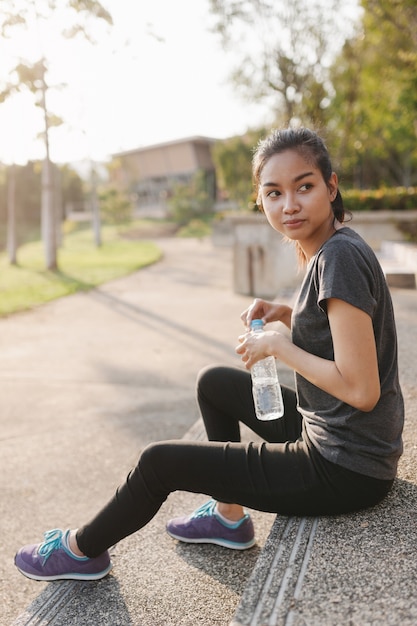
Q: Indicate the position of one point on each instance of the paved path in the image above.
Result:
(86, 382)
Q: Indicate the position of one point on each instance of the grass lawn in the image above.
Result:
(82, 266)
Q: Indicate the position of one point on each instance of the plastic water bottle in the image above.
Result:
(267, 395)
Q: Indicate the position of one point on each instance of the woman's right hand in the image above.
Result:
(267, 312)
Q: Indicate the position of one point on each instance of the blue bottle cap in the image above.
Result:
(256, 324)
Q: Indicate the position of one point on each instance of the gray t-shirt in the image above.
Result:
(370, 443)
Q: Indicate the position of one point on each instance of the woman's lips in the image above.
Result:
(293, 223)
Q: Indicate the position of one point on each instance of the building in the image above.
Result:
(150, 174)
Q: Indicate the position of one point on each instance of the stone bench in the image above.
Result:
(357, 569)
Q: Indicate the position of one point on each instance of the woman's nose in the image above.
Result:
(290, 205)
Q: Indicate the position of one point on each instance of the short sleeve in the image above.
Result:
(346, 274)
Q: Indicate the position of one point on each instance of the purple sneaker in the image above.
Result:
(52, 560)
(204, 526)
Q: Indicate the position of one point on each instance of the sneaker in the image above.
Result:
(52, 560)
(205, 526)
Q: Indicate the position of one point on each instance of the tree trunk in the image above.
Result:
(48, 216)
(11, 216)
(95, 209)
(47, 201)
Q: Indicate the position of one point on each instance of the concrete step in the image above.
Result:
(399, 262)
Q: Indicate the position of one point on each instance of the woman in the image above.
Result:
(337, 446)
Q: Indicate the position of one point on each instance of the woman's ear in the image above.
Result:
(259, 202)
(333, 185)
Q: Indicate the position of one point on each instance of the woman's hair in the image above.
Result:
(313, 150)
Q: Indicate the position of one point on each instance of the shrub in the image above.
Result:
(115, 206)
(195, 228)
(190, 200)
(385, 199)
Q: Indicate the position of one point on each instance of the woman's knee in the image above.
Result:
(152, 456)
(162, 455)
(166, 466)
(215, 378)
(156, 464)
(208, 378)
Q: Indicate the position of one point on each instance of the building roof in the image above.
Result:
(193, 139)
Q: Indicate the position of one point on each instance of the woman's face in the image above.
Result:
(296, 200)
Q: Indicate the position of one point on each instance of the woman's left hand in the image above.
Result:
(253, 348)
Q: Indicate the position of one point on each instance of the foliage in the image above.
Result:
(400, 14)
(374, 112)
(72, 187)
(233, 159)
(80, 15)
(195, 228)
(32, 18)
(69, 187)
(28, 190)
(82, 267)
(356, 77)
(188, 201)
(283, 58)
(115, 206)
(37, 19)
(384, 199)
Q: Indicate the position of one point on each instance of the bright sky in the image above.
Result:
(170, 81)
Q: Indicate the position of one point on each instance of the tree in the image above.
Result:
(73, 194)
(400, 14)
(191, 200)
(78, 17)
(11, 216)
(374, 112)
(115, 205)
(285, 50)
(233, 159)
(396, 20)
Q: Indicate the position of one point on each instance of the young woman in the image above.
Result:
(337, 446)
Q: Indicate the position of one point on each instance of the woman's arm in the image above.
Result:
(352, 377)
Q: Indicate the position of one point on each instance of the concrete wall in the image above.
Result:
(378, 226)
(264, 265)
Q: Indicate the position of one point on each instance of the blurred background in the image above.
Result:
(135, 114)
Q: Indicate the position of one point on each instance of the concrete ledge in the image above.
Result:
(401, 279)
(379, 226)
(278, 576)
(265, 265)
(356, 569)
(399, 262)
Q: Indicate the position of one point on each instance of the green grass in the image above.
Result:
(82, 266)
(195, 228)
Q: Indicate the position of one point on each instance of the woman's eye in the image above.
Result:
(305, 187)
(273, 194)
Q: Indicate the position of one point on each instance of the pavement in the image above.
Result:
(89, 380)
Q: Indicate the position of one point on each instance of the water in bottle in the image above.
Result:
(267, 395)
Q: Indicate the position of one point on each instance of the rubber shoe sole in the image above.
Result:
(217, 541)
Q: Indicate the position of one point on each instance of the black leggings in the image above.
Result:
(283, 474)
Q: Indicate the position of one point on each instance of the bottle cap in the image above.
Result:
(256, 324)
